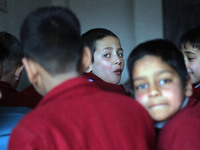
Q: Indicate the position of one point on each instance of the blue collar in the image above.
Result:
(197, 85)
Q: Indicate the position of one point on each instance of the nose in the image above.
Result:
(154, 91)
(118, 60)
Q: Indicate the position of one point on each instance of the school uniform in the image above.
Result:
(105, 85)
(182, 131)
(30, 90)
(11, 97)
(196, 92)
(77, 115)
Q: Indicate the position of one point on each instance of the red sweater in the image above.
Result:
(182, 132)
(76, 115)
(105, 85)
(11, 97)
(196, 93)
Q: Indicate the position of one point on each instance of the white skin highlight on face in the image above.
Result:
(108, 60)
(157, 87)
(192, 61)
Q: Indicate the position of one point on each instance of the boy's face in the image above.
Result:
(192, 61)
(108, 60)
(157, 86)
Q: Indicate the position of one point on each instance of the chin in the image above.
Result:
(116, 82)
(159, 118)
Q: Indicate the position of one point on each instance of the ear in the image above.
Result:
(188, 88)
(18, 72)
(31, 70)
(86, 59)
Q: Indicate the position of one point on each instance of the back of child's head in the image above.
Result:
(90, 38)
(51, 37)
(12, 45)
(191, 37)
(163, 49)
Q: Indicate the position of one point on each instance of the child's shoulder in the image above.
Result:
(182, 130)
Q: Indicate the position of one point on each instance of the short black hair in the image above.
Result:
(163, 49)
(51, 37)
(90, 38)
(13, 47)
(192, 37)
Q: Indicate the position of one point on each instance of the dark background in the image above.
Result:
(179, 16)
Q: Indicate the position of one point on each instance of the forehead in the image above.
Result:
(151, 65)
(108, 41)
(189, 48)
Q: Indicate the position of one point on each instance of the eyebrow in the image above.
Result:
(188, 52)
(158, 73)
(110, 48)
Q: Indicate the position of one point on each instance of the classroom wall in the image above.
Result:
(134, 21)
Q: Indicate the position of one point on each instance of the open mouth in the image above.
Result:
(118, 72)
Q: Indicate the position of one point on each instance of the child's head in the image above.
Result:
(159, 78)
(12, 63)
(107, 54)
(190, 46)
(52, 43)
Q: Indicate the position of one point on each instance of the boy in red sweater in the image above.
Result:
(159, 79)
(190, 46)
(107, 59)
(74, 113)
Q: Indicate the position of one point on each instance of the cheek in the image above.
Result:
(174, 96)
(141, 98)
(104, 65)
(195, 68)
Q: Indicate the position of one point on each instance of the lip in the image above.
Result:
(118, 71)
(157, 105)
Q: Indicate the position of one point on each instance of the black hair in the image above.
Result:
(13, 47)
(192, 37)
(90, 38)
(51, 37)
(163, 49)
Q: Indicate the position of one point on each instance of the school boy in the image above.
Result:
(74, 113)
(190, 46)
(11, 73)
(107, 59)
(13, 104)
(159, 79)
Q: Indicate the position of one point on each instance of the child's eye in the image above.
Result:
(141, 86)
(164, 81)
(107, 55)
(120, 55)
(190, 58)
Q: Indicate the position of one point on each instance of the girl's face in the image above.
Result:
(192, 61)
(157, 86)
(108, 60)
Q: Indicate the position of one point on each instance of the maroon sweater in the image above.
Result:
(11, 97)
(182, 132)
(196, 92)
(105, 85)
(76, 115)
